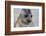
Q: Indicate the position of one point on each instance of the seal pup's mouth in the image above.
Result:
(26, 21)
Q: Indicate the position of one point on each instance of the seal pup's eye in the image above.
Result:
(31, 15)
(25, 15)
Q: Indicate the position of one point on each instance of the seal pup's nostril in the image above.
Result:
(28, 21)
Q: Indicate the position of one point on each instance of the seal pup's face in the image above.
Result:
(26, 16)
